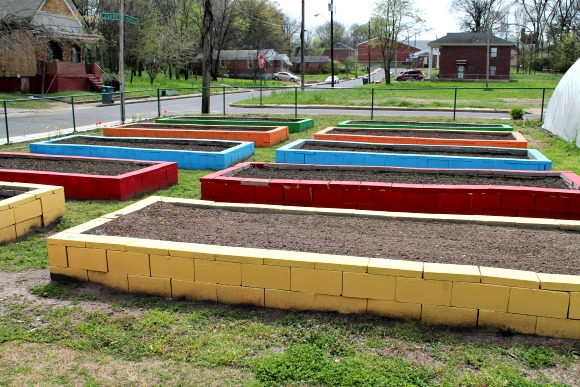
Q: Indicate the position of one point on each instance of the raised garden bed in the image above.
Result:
(423, 125)
(294, 124)
(27, 207)
(447, 191)
(424, 137)
(413, 156)
(188, 154)
(453, 270)
(88, 177)
(259, 135)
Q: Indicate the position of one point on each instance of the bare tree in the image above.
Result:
(534, 14)
(207, 55)
(480, 15)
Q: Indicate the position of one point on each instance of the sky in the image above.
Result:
(435, 12)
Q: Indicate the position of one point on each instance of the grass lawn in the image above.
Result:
(84, 334)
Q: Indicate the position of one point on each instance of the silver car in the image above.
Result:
(285, 76)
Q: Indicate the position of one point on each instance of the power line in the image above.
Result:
(262, 21)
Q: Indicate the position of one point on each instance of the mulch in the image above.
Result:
(228, 128)
(298, 173)
(188, 145)
(77, 166)
(445, 134)
(546, 251)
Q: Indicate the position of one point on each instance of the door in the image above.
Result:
(460, 72)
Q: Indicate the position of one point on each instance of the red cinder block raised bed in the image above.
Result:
(545, 194)
(137, 177)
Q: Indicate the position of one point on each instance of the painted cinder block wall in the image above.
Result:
(453, 295)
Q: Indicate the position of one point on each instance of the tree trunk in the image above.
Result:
(207, 55)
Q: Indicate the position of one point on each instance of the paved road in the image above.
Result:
(26, 124)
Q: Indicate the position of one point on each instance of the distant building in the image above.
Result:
(402, 56)
(244, 63)
(312, 64)
(464, 55)
(341, 52)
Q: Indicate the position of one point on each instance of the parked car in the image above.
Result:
(285, 76)
(328, 80)
(414, 75)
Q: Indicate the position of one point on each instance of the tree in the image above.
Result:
(207, 55)
(567, 52)
(480, 15)
(392, 18)
(534, 14)
(322, 32)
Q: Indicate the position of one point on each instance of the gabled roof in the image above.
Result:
(342, 46)
(469, 39)
(310, 59)
(21, 8)
(269, 55)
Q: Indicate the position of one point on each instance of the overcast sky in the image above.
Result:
(435, 12)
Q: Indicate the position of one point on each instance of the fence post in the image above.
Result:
(455, 104)
(72, 104)
(158, 103)
(122, 104)
(260, 93)
(224, 99)
(543, 99)
(6, 122)
(372, 103)
(295, 102)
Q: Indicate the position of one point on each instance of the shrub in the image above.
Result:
(517, 113)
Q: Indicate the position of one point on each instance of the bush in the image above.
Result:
(110, 80)
(517, 113)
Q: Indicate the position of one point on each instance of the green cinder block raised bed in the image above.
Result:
(422, 125)
(294, 124)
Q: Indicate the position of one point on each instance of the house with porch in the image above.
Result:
(244, 63)
(45, 53)
(464, 56)
(312, 64)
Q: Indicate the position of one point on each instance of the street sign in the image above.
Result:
(115, 16)
(261, 61)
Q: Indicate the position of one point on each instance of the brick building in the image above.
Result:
(463, 56)
(341, 52)
(312, 64)
(244, 63)
(402, 56)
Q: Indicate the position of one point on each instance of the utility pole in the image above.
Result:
(122, 59)
(302, 48)
(207, 57)
(331, 6)
(369, 51)
(487, 59)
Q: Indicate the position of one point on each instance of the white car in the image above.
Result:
(285, 76)
(328, 80)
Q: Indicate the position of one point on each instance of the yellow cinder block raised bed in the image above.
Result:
(454, 295)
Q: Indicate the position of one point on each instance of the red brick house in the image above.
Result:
(463, 56)
(341, 52)
(402, 56)
(51, 60)
(312, 64)
(244, 63)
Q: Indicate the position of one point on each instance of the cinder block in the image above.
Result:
(240, 295)
(266, 276)
(148, 246)
(193, 290)
(290, 259)
(87, 259)
(446, 315)
(240, 255)
(25, 226)
(316, 281)
(192, 250)
(345, 305)
(7, 218)
(57, 256)
(360, 285)
(499, 320)
(556, 327)
(111, 280)
(56, 273)
(393, 309)
(213, 272)
(7, 234)
(537, 302)
(395, 268)
(574, 312)
(171, 267)
(106, 242)
(50, 217)
(450, 272)
(128, 263)
(282, 299)
(507, 277)
(53, 202)
(561, 282)
(426, 292)
(480, 296)
(150, 285)
(26, 211)
(340, 263)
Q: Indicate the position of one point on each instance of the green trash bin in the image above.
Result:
(365, 80)
(107, 94)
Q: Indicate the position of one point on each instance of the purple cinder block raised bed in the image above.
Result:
(437, 191)
(141, 177)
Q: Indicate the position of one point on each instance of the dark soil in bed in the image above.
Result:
(413, 123)
(229, 128)
(62, 165)
(447, 134)
(188, 145)
(546, 251)
(401, 177)
(356, 147)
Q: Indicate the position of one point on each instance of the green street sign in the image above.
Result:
(115, 16)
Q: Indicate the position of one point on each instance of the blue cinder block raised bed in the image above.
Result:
(220, 154)
(414, 156)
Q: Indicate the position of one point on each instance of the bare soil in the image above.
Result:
(546, 251)
(403, 149)
(228, 128)
(77, 166)
(446, 134)
(414, 123)
(188, 145)
(403, 177)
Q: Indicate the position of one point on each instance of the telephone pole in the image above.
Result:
(122, 59)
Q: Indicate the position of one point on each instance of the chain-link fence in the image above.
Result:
(32, 118)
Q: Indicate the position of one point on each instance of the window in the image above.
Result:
(222, 63)
(53, 52)
(471, 68)
(493, 52)
(250, 64)
(492, 70)
(75, 54)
